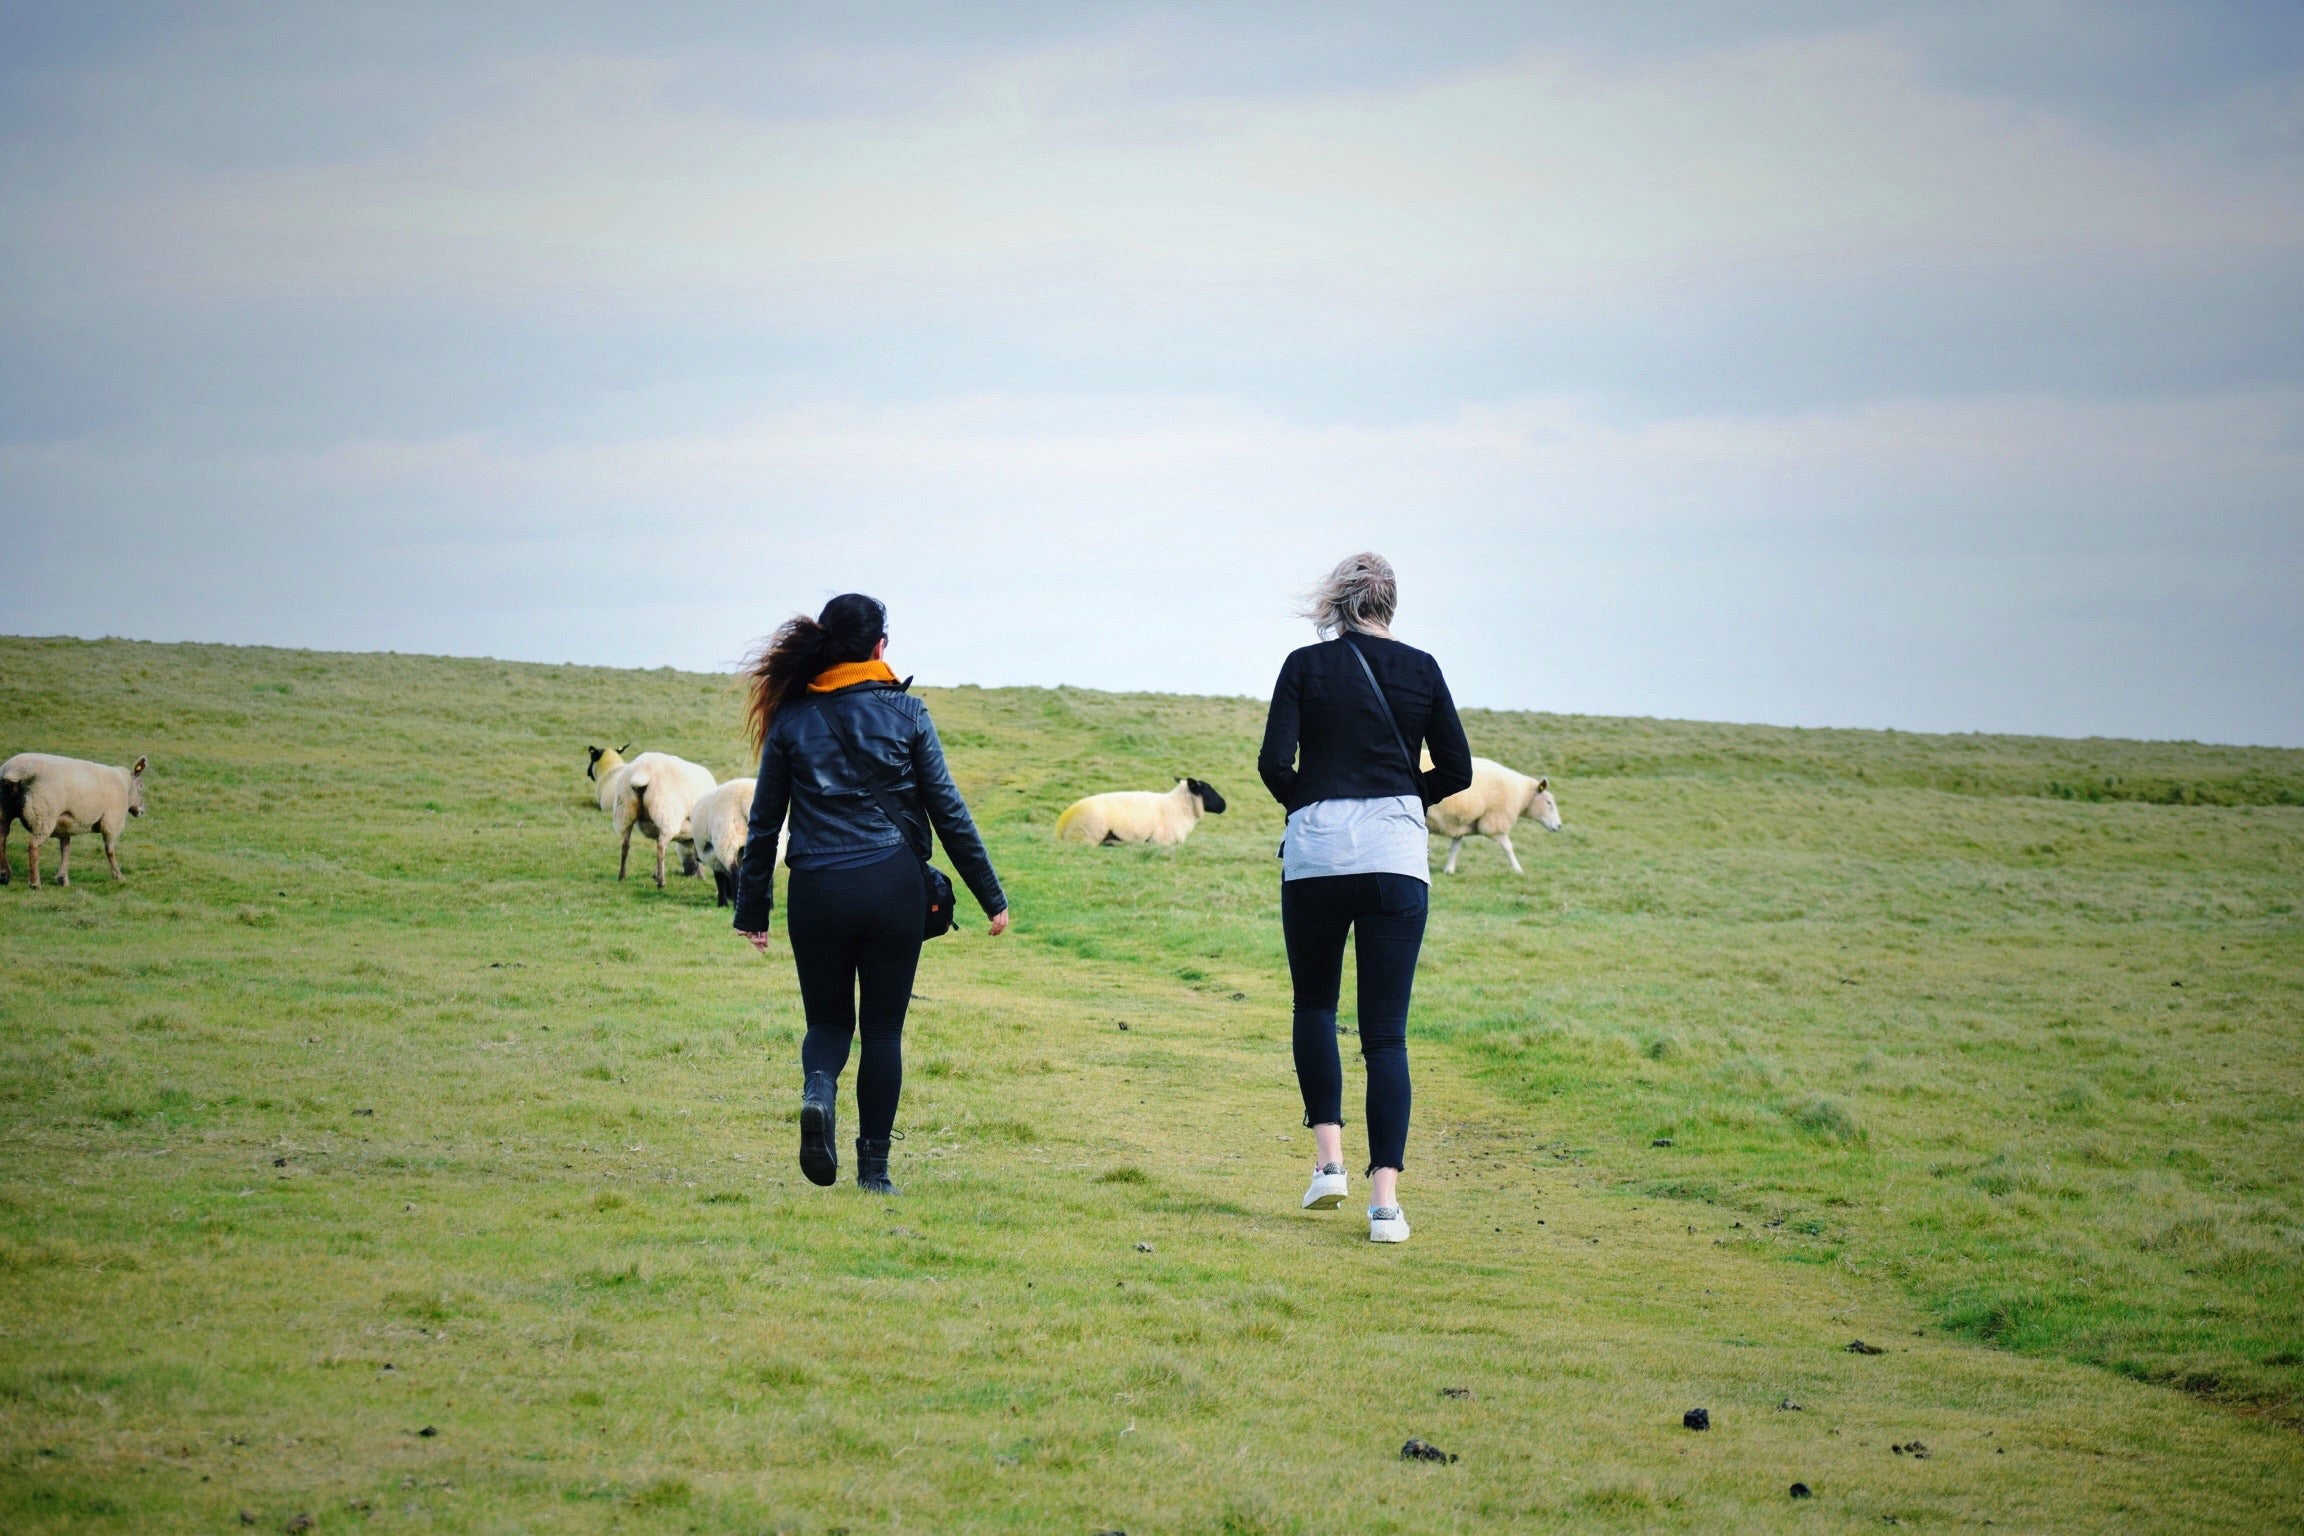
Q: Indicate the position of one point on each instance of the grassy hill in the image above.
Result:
(372, 1105)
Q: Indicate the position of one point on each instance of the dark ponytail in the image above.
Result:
(850, 625)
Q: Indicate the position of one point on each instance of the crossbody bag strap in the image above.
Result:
(1385, 705)
(863, 767)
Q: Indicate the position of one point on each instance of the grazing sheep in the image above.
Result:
(719, 824)
(64, 795)
(1139, 815)
(653, 793)
(605, 761)
(1498, 798)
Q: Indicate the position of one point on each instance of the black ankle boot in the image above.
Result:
(819, 1152)
(872, 1168)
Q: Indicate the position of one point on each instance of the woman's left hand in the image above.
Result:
(759, 940)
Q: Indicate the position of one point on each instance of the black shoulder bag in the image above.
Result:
(937, 883)
(1414, 774)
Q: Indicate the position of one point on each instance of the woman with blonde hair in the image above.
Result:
(1340, 755)
(854, 759)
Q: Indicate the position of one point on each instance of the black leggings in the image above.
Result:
(858, 930)
(1386, 915)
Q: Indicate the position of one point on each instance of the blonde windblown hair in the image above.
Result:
(1357, 596)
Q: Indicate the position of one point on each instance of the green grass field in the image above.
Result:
(372, 1155)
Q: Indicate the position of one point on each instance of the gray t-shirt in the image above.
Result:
(1385, 836)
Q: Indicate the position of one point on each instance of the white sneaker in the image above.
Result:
(1328, 1188)
(1386, 1224)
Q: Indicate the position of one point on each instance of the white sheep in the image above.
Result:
(1497, 798)
(719, 825)
(652, 794)
(1139, 815)
(62, 796)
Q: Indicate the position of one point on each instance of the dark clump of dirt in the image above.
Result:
(299, 1523)
(1697, 1418)
(1424, 1450)
(1859, 1347)
(1788, 1406)
(1458, 1393)
(426, 1433)
(1661, 1141)
(1911, 1448)
(1801, 1491)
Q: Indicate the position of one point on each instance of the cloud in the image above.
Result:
(1517, 188)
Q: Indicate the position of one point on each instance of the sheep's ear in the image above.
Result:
(137, 772)
(620, 751)
(1543, 785)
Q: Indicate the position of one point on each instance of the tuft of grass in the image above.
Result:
(1826, 1117)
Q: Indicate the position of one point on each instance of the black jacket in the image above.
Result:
(1325, 738)
(805, 769)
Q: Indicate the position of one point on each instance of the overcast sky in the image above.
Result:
(1939, 367)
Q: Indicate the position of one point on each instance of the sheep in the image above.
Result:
(718, 824)
(1139, 815)
(651, 793)
(605, 761)
(1497, 798)
(64, 795)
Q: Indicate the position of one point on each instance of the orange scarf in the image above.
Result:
(849, 673)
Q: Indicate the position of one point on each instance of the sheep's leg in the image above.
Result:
(63, 858)
(7, 825)
(624, 856)
(723, 888)
(112, 854)
(1504, 841)
(35, 856)
(661, 844)
(1454, 843)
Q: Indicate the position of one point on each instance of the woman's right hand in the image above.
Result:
(999, 922)
(759, 940)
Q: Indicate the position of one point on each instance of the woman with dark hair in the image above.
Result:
(842, 745)
(1340, 754)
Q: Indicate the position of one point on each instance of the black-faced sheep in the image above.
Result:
(1139, 815)
(651, 794)
(62, 796)
(1497, 799)
(719, 825)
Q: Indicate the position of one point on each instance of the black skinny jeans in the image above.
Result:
(858, 931)
(1385, 914)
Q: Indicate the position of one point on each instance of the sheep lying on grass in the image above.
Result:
(1139, 815)
(652, 794)
(718, 825)
(62, 796)
(1498, 798)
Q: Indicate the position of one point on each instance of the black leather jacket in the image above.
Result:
(1326, 738)
(805, 770)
